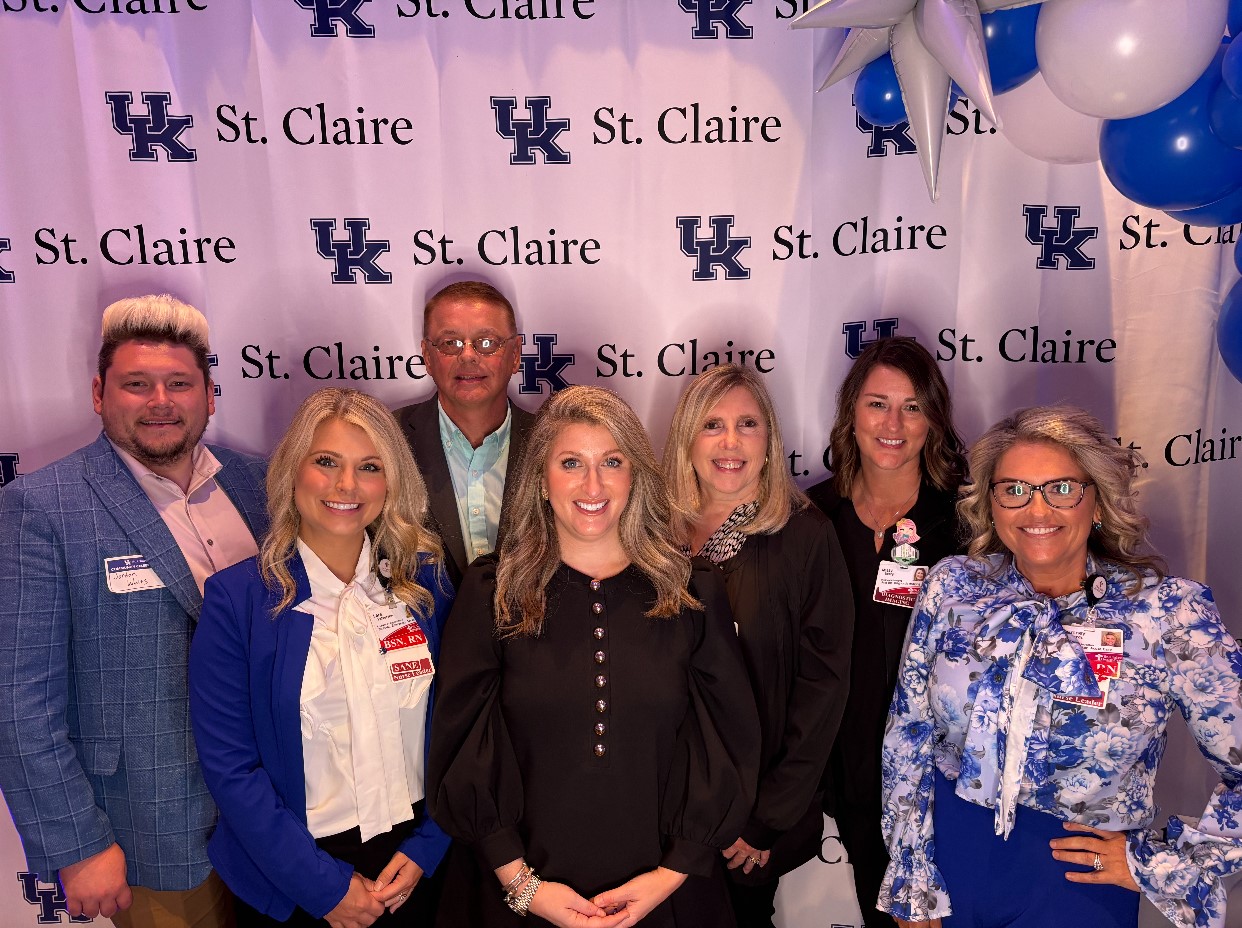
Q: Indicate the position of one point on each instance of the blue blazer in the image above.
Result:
(246, 671)
(95, 742)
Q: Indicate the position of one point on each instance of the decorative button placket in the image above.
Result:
(600, 684)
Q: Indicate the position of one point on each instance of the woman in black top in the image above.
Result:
(896, 462)
(595, 735)
(787, 584)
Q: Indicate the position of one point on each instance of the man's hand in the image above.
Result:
(97, 885)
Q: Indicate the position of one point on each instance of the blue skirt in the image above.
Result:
(994, 883)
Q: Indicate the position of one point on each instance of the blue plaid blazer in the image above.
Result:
(95, 742)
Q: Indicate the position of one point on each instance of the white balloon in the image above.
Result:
(1121, 58)
(1040, 125)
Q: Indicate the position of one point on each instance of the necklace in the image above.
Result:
(883, 526)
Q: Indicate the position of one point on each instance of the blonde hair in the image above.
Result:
(779, 496)
(155, 318)
(1122, 534)
(530, 553)
(400, 532)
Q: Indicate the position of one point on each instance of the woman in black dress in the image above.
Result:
(897, 463)
(790, 596)
(596, 738)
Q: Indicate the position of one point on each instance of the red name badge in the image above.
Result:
(408, 637)
(404, 670)
(1106, 664)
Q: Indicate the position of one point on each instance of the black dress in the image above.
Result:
(852, 785)
(609, 745)
(790, 595)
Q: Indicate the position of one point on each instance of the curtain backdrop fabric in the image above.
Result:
(654, 183)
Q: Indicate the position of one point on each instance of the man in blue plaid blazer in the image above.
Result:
(102, 559)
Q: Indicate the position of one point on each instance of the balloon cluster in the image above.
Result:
(1146, 87)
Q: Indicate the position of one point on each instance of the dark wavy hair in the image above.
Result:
(943, 459)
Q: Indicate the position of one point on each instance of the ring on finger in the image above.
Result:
(1097, 864)
(754, 859)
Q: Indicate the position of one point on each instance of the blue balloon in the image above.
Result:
(1010, 39)
(1231, 67)
(877, 93)
(1224, 212)
(1235, 17)
(1225, 115)
(1229, 330)
(1170, 158)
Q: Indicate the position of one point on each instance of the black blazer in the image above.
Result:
(421, 424)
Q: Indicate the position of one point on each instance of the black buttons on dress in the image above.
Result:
(599, 656)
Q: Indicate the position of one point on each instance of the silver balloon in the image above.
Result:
(932, 42)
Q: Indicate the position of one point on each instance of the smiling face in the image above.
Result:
(339, 489)
(730, 449)
(154, 402)
(1049, 546)
(588, 483)
(889, 426)
(471, 382)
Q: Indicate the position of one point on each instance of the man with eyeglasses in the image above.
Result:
(467, 437)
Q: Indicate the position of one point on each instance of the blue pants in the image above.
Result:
(994, 883)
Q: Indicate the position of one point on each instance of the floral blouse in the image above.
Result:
(995, 693)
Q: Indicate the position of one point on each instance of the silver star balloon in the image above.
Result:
(932, 42)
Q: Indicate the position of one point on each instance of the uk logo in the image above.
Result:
(355, 254)
(544, 365)
(853, 332)
(8, 467)
(718, 251)
(711, 15)
(6, 276)
(213, 360)
(1063, 240)
(157, 129)
(537, 133)
(883, 138)
(330, 13)
(50, 900)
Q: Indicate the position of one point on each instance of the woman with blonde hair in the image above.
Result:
(1023, 743)
(595, 732)
(310, 679)
(790, 596)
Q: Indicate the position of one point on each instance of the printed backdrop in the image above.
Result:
(656, 186)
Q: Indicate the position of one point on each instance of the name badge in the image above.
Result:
(130, 573)
(898, 584)
(1104, 650)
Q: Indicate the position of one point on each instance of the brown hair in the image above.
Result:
(942, 461)
(473, 291)
(530, 552)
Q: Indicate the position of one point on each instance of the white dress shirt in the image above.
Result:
(364, 702)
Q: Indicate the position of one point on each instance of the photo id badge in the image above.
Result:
(130, 573)
(1104, 650)
(898, 584)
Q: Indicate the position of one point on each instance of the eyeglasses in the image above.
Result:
(484, 344)
(1062, 493)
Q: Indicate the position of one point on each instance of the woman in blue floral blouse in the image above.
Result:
(1029, 718)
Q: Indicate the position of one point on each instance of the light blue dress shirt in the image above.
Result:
(478, 481)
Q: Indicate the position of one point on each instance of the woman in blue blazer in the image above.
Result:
(310, 679)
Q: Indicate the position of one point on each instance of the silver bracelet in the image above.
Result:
(519, 878)
(521, 904)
